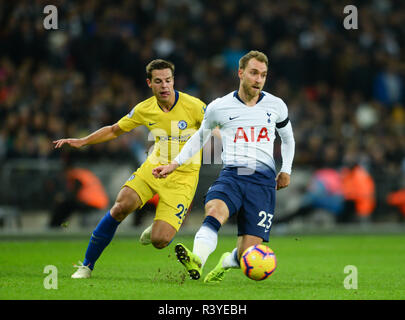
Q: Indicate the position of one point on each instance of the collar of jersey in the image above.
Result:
(176, 98)
(236, 95)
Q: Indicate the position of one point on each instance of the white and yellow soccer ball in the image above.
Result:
(258, 262)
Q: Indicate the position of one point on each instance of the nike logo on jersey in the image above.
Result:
(231, 118)
(152, 123)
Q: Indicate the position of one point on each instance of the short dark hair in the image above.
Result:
(260, 56)
(158, 64)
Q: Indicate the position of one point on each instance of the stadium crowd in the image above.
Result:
(345, 89)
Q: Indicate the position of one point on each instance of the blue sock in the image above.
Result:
(212, 223)
(100, 239)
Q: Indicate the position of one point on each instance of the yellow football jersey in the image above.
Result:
(170, 130)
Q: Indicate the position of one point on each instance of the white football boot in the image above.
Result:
(82, 272)
(145, 236)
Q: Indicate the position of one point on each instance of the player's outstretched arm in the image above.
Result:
(76, 143)
(101, 135)
(192, 146)
(164, 171)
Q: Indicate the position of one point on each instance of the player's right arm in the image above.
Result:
(192, 146)
(107, 133)
(103, 134)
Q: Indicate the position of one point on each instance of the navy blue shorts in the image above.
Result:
(252, 202)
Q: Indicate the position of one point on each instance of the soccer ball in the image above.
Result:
(258, 262)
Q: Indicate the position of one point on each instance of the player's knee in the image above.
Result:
(217, 210)
(160, 243)
(162, 234)
(211, 210)
(120, 211)
(127, 201)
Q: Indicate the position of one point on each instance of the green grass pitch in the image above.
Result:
(309, 267)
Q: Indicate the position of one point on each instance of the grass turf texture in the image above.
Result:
(309, 267)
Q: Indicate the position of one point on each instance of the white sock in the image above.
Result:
(205, 242)
(231, 260)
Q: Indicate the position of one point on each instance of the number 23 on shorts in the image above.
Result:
(181, 213)
(263, 223)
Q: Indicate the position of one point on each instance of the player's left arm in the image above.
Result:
(285, 131)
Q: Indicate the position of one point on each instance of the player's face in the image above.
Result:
(253, 77)
(162, 85)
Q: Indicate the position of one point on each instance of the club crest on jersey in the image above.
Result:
(182, 124)
(269, 115)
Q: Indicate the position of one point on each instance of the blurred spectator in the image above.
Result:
(324, 192)
(397, 200)
(80, 190)
(389, 85)
(359, 193)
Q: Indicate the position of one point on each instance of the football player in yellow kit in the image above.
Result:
(172, 117)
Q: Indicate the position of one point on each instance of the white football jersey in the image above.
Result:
(247, 132)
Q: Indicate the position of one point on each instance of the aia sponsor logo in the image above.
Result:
(250, 135)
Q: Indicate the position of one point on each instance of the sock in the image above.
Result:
(231, 261)
(206, 238)
(101, 237)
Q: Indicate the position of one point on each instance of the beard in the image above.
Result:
(249, 91)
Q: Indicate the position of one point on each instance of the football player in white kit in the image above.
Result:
(248, 120)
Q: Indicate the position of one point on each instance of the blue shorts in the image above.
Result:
(252, 202)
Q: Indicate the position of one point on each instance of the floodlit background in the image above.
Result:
(344, 89)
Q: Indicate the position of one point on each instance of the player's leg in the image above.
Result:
(127, 201)
(222, 200)
(245, 242)
(254, 222)
(206, 238)
(163, 229)
(228, 261)
(145, 238)
(231, 260)
(162, 234)
(218, 273)
(175, 196)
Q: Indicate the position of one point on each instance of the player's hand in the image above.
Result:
(76, 143)
(282, 180)
(164, 171)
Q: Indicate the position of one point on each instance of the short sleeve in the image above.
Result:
(130, 121)
(202, 107)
